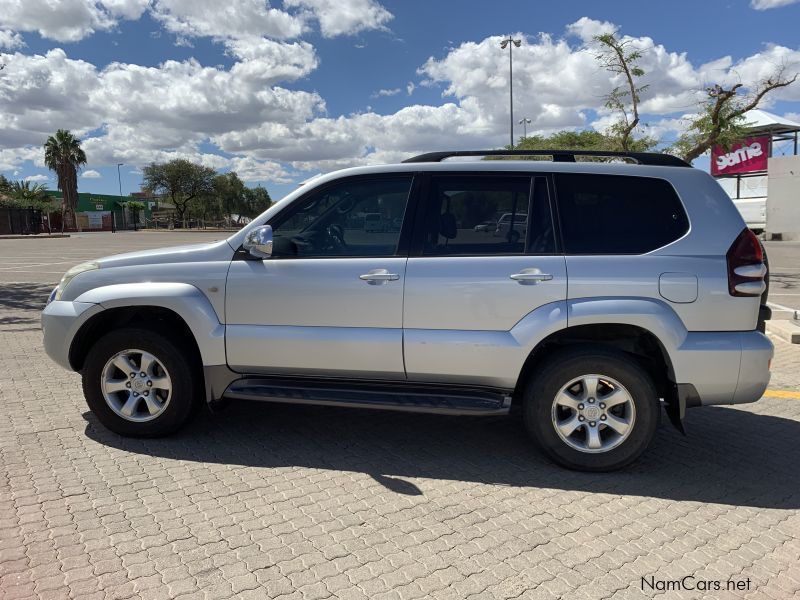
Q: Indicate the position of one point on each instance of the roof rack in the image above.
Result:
(642, 158)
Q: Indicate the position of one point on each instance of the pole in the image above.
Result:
(119, 178)
(511, 92)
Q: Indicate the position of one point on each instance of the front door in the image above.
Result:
(483, 260)
(329, 300)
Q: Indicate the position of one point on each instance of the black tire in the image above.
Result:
(178, 363)
(567, 365)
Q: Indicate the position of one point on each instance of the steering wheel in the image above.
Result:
(336, 236)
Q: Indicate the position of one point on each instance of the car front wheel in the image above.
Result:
(592, 410)
(139, 383)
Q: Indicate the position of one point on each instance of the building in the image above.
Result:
(104, 212)
(762, 175)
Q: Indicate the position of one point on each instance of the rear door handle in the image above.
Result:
(530, 276)
(379, 277)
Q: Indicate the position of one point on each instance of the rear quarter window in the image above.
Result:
(614, 214)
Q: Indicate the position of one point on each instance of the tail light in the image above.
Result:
(746, 268)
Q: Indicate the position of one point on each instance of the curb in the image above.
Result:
(51, 236)
(784, 329)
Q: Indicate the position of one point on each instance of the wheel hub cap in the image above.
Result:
(593, 413)
(136, 385)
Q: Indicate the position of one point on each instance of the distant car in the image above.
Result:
(520, 226)
(373, 222)
(486, 226)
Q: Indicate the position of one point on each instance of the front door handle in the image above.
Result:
(379, 277)
(530, 276)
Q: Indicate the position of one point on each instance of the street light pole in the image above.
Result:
(510, 42)
(525, 121)
(119, 178)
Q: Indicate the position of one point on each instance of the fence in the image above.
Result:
(20, 221)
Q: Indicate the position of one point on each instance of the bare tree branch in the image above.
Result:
(722, 118)
(615, 58)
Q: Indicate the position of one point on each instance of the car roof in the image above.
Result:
(546, 166)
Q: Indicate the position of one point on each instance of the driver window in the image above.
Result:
(356, 218)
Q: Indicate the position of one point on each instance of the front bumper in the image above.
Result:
(60, 323)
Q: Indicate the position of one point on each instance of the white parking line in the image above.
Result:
(782, 308)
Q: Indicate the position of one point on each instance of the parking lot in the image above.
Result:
(263, 501)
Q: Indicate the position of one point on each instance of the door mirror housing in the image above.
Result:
(258, 242)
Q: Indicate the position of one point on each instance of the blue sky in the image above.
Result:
(284, 90)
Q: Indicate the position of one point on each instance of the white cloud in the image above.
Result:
(64, 21)
(10, 39)
(344, 17)
(226, 19)
(386, 92)
(587, 29)
(767, 4)
(91, 174)
(37, 178)
(265, 62)
(127, 9)
(244, 117)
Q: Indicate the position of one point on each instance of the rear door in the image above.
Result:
(467, 289)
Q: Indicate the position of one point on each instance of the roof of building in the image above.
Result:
(767, 122)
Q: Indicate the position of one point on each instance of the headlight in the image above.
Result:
(72, 274)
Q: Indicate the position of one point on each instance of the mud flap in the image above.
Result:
(676, 411)
(681, 397)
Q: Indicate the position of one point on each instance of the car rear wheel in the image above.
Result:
(591, 410)
(139, 383)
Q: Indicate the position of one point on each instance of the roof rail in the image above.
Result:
(642, 158)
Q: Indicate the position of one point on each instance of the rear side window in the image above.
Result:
(612, 214)
(486, 215)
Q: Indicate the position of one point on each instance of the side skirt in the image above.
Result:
(400, 396)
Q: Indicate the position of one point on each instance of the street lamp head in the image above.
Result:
(503, 44)
(517, 43)
(525, 120)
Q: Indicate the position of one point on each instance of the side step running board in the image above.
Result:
(428, 398)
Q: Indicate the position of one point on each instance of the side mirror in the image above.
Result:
(258, 242)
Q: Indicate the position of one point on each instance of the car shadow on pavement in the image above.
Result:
(730, 456)
(21, 296)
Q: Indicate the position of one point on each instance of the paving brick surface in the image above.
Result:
(265, 501)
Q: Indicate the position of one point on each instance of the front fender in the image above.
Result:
(187, 301)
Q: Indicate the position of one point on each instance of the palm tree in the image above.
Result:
(64, 155)
(28, 193)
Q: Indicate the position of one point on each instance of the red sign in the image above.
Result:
(747, 156)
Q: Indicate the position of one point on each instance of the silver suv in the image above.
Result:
(634, 285)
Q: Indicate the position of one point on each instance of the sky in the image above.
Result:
(279, 91)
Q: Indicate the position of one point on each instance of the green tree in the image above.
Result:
(64, 155)
(619, 58)
(582, 140)
(24, 194)
(256, 201)
(721, 119)
(135, 206)
(230, 192)
(181, 180)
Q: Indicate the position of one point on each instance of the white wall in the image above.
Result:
(783, 206)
